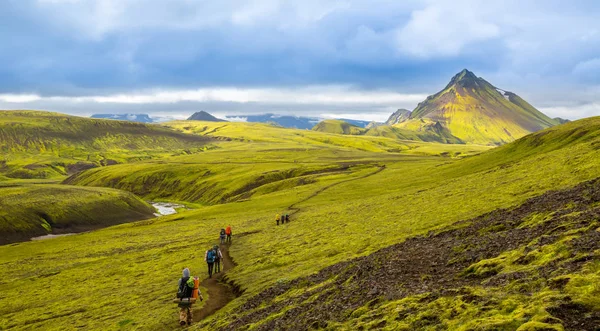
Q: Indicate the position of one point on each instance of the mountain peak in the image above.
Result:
(475, 111)
(204, 116)
(464, 78)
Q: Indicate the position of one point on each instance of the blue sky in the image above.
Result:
(358, 59)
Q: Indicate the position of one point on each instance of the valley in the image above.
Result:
(348, 197)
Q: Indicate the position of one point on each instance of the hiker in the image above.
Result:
(228, 233)
(277, 219)
(222, 236)
(185, 290)
(287, 218)
(282, 218)
(218, 259)
(210, 257)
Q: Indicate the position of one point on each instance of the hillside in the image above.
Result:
(204, 116)
(338, 126)
(28, 211)
(336, 218)
(475, 111)
(36, 144)
(522, 257)
(398, 116)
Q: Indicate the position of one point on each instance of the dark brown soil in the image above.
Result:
(438, 264)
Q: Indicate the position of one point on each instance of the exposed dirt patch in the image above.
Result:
(441, 264)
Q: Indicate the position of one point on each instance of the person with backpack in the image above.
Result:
(185, 291)
(282, 218)
(287, 218)
(218, 259)
(228, 233)
(277, 219)
(210, 258)
(222, 236)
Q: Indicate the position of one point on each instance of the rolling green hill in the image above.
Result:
(385, 199)
(339, 127)
(30, 210)
(475, 111)
(37, 144)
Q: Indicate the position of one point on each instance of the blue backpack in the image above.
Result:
(210, 256)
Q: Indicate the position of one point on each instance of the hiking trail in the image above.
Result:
(218, 292)
(295, 209)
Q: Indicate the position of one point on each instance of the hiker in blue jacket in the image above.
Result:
(210, 258)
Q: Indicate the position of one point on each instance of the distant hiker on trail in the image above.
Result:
(222, 236)
(228, 233)
(282, 218)
(210, 257)
(187, 293)
(287, 218)
(218, 259)
(277, 219)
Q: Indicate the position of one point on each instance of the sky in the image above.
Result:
(359, 59)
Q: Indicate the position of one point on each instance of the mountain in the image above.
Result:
(142, 118)
(561, 120)
(359, 123)
(475, 111)
(398, 116)
(338, 126)
(284, 121)
(204, 116)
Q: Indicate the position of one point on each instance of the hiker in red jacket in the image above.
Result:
(228, 233)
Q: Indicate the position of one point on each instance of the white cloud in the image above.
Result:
(444, 29)
(19, 98)
(325, 95)
(573, 112)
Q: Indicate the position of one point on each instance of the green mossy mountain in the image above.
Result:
(475, 111)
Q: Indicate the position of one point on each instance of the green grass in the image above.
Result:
(28, 210)
(358, 212)
(37, 144)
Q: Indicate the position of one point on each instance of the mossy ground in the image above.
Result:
(355, 213)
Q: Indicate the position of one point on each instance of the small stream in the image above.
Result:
(162, 209)
(165, 208)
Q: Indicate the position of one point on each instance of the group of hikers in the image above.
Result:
(188, 287)
(188, 291)
(282, 218)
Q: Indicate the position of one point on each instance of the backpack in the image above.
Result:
(222, 232)
(186, 288)
(210, 256)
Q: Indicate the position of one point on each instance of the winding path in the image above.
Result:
(295, 209)
(219, 292)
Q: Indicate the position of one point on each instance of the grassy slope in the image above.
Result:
(36, 144)
(239, 170)
(356, 217)
(338, 126)
(475, 112)
(32, 210)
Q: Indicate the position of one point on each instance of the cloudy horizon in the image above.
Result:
(348, 58)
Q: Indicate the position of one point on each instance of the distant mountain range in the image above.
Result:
(467, 110)
(143, 118)
(286, 121)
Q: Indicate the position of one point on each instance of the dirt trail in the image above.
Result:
(295, 209)
(219, 292)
